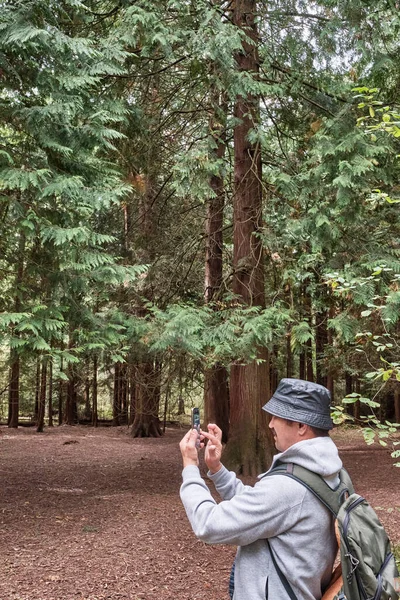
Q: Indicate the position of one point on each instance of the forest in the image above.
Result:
(196, 200)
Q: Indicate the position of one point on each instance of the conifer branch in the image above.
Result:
(300, 15)
(288, 71)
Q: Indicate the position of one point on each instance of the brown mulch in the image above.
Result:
(95, 515)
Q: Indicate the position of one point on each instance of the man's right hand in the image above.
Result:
(213, 451)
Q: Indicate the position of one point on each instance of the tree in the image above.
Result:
(216, 393)
(245, 450)
(125, 127)
(56, 179)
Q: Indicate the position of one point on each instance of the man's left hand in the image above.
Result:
(188, 448)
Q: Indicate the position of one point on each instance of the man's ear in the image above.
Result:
(303, 429)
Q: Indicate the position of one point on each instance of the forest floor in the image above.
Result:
(95, 515)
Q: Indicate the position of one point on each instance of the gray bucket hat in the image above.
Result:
(301, 401)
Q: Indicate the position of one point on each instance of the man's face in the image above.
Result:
(285, 433)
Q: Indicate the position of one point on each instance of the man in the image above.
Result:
(278, 513)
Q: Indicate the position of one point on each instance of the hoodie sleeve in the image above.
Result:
(263, 511)
(227, 484)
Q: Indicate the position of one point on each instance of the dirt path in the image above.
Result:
(94, 515)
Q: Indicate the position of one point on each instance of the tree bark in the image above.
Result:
(71, 403)
(166, 401)
(120, 409)
(42, 396)
(216, 390)
(117, 395)
(71, 409)
(146, 422)
(250, 445)
(50, 400)
(309, 358)
(357, 405)
(289, 357)
(61, 394)
(37, 390)
(60, 401)
(321, 341)
(273, 369)
(302, 364)
(13, 392)
(330, 382)
(216, 398)
(94, 393)
(124, 395)
(88, 408)
(132, 395)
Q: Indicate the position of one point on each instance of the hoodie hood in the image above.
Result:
(319, 455)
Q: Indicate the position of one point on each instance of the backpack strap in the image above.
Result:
(282, 577)
(331, 498)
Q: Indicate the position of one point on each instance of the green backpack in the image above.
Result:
(368, 566)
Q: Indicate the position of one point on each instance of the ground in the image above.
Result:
(95, 515)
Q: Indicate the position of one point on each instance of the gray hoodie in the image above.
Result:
(298, 526)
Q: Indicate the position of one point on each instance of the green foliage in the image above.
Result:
(373, 430)
(381, 118)
(110, 119)
(300, 334)
(224, 335)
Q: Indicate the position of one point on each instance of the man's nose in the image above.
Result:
(271, 422)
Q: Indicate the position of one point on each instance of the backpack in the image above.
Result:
(367, 568)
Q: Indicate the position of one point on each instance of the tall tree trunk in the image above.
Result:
(330, 382)
(349, 384)
(42, 396)
(71, 409)
(71, 403)
(120, 410)
(216, 390)
(50, 401)
(357, 405)
(250, 445)
(117, 395)
(94, 393)
(88, 409)
(309, 357)
(13, 394)
(321, 341)
(302, 364)
(146, 422)
(60, 401)
(124, 395)
(308, 368)
(37, 390)
(273, 368)
(289, 356)
(132, 394)
(216, 398)
(166, 401)
(158, 366)
(61, 394)
(13, 391)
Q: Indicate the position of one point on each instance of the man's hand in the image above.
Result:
(214, 448)
(188, 448)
